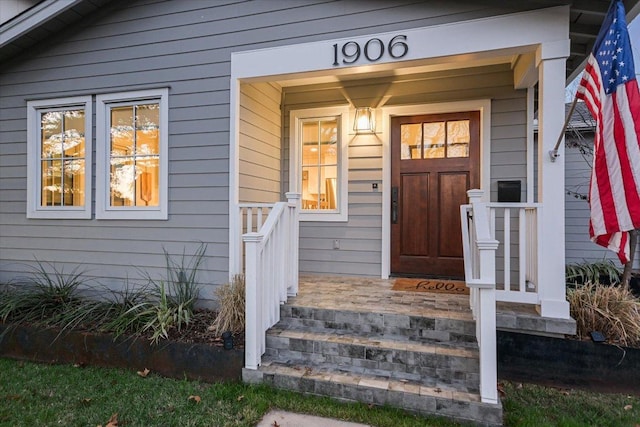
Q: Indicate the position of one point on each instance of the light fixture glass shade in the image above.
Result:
(365, 121)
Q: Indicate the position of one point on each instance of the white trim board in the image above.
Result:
(497, 35)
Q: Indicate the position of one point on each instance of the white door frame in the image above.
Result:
(481, 105)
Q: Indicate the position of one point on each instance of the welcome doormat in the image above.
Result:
(431, 285)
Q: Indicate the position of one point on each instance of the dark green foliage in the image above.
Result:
(50, 297)
(603, 272)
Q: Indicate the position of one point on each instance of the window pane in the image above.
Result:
(51, 126)
(73, 133)
(411, 141)
(135, 160)
(122, 188)
(433, 140)
(147, 181)
(310, 143)
(328, 187)
(147, 125)
(310, 154)
(51, 183)
(310, 187)
(458, 138)
(122, 137)
(329, 154)
(329, 131)
(320, 159)
(62, 138)
(73, 182)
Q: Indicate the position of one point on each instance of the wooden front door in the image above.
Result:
(434, 161)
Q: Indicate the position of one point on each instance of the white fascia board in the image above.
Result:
(497, 33)
(33, 18)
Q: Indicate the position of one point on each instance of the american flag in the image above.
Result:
(610, 91)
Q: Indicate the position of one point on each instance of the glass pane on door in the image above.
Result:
(433, 140)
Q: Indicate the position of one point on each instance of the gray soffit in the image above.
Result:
(51, 16)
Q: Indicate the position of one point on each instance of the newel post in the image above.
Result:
(293, 244)
(486, 327)
(485, 304)
(475, 196)
(253, 308)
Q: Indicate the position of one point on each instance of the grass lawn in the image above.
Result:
(43, 395)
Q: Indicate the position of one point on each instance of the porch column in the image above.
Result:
(551, 62)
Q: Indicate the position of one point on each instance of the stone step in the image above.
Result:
(442, 326)
(370, 389)
(427, 364)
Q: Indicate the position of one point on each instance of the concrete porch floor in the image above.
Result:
(375, 295)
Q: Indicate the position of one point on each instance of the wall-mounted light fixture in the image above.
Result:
(365, 120)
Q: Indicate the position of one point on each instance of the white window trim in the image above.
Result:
(34, 209)
(103, 210)
(295, 161)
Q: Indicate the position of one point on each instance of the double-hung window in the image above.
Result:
(131, 155)
(319, 162)
(59, 158)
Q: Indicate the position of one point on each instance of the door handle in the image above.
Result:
(394, 205)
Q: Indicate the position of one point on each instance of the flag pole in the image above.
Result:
(554, 153)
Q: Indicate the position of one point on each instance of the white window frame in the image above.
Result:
(295, 162)
(103, 105)
(34, 166)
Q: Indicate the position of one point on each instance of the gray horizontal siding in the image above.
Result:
(260, 142)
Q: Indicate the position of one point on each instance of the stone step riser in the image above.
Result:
(427, 368)
(378, 325)
(445, 405)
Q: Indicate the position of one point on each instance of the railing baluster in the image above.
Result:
(507, 249)
(259, 219)
(523, 244)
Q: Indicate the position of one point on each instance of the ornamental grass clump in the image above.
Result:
(612, 310)
(231, 297)
(46, 297)
(173, 298)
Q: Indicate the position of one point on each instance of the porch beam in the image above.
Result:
(525, 73)
(551, 59)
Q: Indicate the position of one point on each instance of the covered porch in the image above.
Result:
(511, 255)
(351, 198)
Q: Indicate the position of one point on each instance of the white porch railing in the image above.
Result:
(271, 273)
(251, 217)
(479, 248)
(485, 227)
(516, 227)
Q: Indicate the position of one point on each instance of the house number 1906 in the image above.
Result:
(372, 50)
